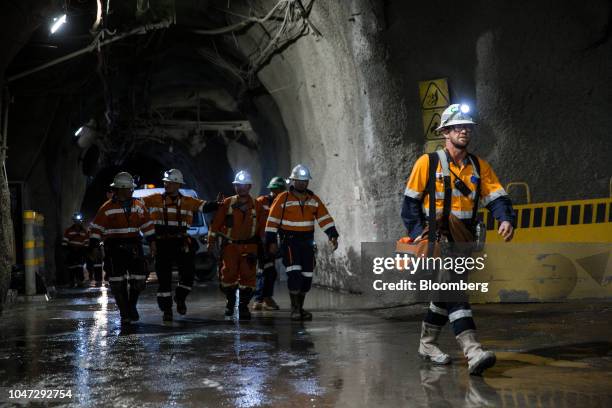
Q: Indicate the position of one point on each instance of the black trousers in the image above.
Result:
(125, 263)
(170, 252)
(299, 260)
(75, 258)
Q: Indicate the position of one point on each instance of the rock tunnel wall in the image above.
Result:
(537, 72)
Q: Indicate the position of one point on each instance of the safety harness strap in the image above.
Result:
(431, 191)
(476, 166)
(446, 206)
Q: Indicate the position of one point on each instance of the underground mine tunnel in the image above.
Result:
(354, 90)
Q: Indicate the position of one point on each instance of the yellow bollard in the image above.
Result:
(29, 251)
(40, 243)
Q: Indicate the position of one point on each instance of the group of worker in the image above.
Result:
(440, 205)
(244, 232)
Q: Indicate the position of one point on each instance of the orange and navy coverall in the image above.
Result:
(172, 216)
(76, 242)
(119, 225)
(241, 226)
(294, 222)
(267, 274)
(415, 211)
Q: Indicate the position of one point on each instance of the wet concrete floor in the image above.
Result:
(348, 356)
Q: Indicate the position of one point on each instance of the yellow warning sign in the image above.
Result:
(431, 121)
(434, 94)
(434, 145)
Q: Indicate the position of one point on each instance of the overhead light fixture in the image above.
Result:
(57, 23)
(78, 132)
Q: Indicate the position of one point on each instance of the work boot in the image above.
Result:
(478, 359)
(230, 295)
(295, 307)
(428, 348)
(257, 306)
(181, 307)
(243, 307)
(167, 316)
(133, 301)
(120, 294)
(305, 314)
(270, 304)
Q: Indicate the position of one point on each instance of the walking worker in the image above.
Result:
(292, 218)
(440, 204)
(172, 214)
(266, 274)
(119, 223)
(239, 225)
(75, 243)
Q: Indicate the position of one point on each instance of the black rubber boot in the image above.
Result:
(167, 316)
(134, 316)
(243, 307)
(305, 314)
(181, 307)
(230, 295)
(295, 307)
(120, 293)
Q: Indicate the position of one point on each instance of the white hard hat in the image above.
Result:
(243, 177)
(456, 114)
(300, 172)
(174, 175)
(123, 180)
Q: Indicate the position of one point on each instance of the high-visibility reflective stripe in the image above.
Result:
(455, 193)
(325, 217)
(307, 274)
(328, 226)
(170, 210)
(97, 265)
(459, 314)
(184, 287)
(98, 227)
(266, 207)
(412, 194)
(96, 236)
(459, 214)
(268, 265)
(293, 268)
(146, 224)
(171, 223)
(164, 294)
(120, 210)
(495, 194)
(293, 203)
(148, 233)
(274, 219)
(138, 277)
(271, 229)
(298, 223)
(121, 230)
(438, 310)
(75, 266)
(78, 243)
(117, 278)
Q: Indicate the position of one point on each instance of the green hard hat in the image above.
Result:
(277, 182)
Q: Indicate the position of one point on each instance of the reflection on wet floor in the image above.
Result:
(347, 358)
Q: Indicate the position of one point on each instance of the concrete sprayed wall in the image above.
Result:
(537, 73)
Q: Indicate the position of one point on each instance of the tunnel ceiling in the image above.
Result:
(176, 87)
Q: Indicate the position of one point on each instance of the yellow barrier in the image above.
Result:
(566, 253)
